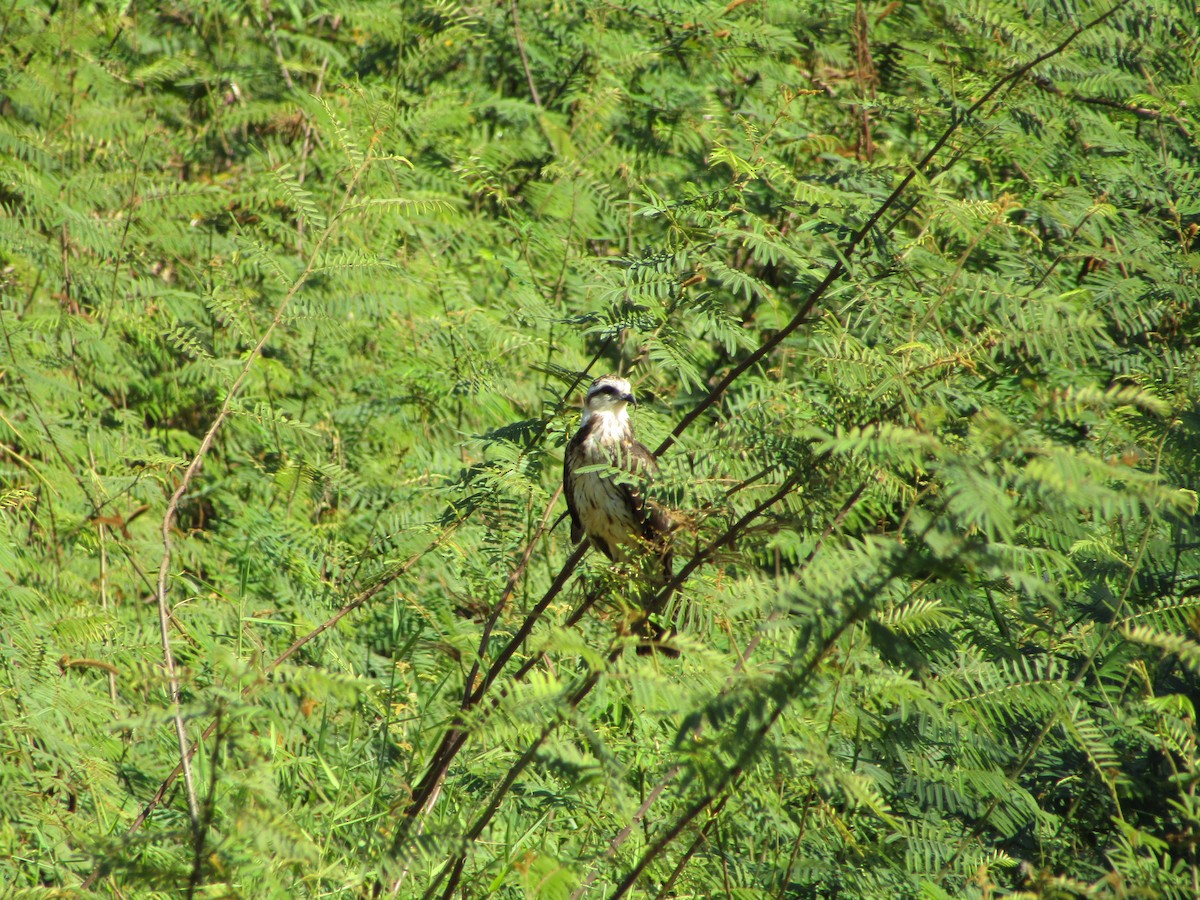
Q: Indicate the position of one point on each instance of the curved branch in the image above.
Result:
(357, 601)
(172, 511)
(187, 750)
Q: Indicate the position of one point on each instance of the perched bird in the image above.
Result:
(610, 508)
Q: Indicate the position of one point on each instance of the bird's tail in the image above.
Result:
(656, 596)
(655, 638)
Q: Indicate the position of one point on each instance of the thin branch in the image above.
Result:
(727, 537)
(481, 822)
(364, 596)
(172, 510)
(533, 91)
(306, 146)
(1127, 106)
(102, 531)
(673, 772)
(727, 778)
(665, 890)
(456, 736)
(287, 76)
(130, 206)
(624, 833)
(514, 579)
(185, 752)
(357, 601)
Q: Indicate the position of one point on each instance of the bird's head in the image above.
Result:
(608, 394)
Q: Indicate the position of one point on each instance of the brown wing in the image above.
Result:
(569, 463)
(653, 523)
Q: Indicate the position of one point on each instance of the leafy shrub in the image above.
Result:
(297, 304)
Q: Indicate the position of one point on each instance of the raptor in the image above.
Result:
(610, 507)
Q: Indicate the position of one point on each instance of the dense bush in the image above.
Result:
(297, 307)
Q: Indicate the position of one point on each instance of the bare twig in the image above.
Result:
(354, 603)
(514, 579)
(130, 206)
(102, 532)
(481, 822)
(624, 833)
(456, 735)
(533, 91)
(306, 146)
(287, 76)
(172, 511)
(363, 597)
(701, 837)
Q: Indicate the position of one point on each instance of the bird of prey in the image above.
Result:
(611, 508)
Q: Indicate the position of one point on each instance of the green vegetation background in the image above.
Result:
(297, 304)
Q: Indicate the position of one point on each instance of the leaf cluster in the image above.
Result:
(296, 305)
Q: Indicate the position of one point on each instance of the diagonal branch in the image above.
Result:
(839, 268)
(514, 579)
(673, 772)
(455, 737)
(427, 788)
(172, 510)
(533, 91)
(354, 603)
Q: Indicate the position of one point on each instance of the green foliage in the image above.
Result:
(296, 304)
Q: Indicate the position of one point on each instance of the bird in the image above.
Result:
(611, 508)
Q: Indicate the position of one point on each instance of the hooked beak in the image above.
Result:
(628, 398)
